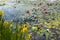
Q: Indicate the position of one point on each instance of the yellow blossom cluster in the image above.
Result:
(28, 36)
(25, 27)
(52, 24)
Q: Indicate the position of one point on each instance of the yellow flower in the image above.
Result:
(48, 25)
(24, 29)
(28, 36)
(1, 13)
(6, 23)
